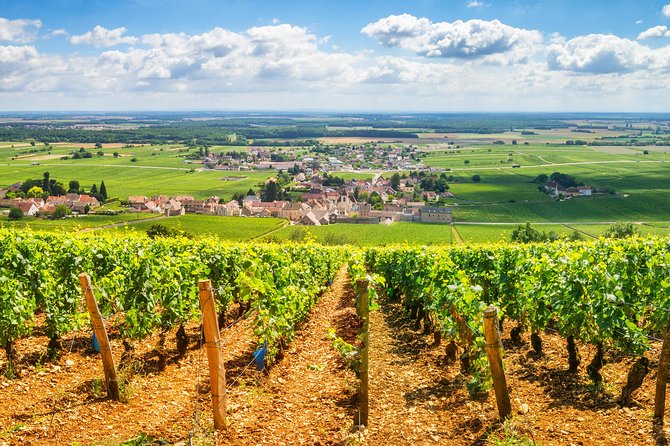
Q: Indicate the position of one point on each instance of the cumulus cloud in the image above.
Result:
(19, 31)
(599, 54)
(390, 69)
(654, 32)
(666, 10)
(465, 40)
(459, 65)
(103, 37)
(264, 54)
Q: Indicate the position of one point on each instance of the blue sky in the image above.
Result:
(368, 55)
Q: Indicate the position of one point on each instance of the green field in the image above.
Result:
(156, 170)
(360, 234)
(73, 224)
(227, 228)
(505, 195)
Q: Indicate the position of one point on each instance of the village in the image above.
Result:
(336, 157)
(314, 201)
(317, 205)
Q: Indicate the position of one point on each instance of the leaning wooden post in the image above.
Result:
(217, 372)
(364, 305)
(662, 377)
(103, 341)
(494, 352)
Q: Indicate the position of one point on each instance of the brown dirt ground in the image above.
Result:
(417, 398)
(308, 397)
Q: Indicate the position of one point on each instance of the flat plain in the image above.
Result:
(637, 178)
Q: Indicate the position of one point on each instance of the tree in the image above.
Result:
(272, 191)
(15, 214)
(45, 181)
(159, 230)
(94, 189)
(541, 178)
(56, 188)
(395, 181)
(35, 192)
(621, 230)
(73, 187)
(61, 211)
(103, 190)
(526, 234)
(476, 178)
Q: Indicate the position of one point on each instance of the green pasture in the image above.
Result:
(364, 235)
(227, 228)
(72, 224)
(491, 233)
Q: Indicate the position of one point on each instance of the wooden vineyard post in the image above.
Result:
(662, 377)
(217, 372)
(494, 352)
(364, 305)
(103, 341)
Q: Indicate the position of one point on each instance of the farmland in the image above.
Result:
(302, 311)
(611, 155)
(226, 228)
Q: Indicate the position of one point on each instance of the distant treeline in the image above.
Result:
(144, 135)
(211, 128)
(210, 134)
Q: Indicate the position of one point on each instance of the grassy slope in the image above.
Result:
(228, 228)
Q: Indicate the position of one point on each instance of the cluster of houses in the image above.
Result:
(77, 203)
(319, 205)
(558, 191)
(183, 204)
(327, 207)
(336, 157)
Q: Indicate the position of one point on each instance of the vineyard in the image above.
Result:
(595, 312)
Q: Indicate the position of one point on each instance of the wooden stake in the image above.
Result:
(662, 377)
(103, 341)
(364, 303)
(494, 352)
(217, 372)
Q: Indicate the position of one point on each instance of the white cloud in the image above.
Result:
(261, 55)
(666, 10)
(655, 32)
(19, 31)
(639, 22)
(456, 66)
(477, 4)
(599, 54)
(391, 69)
(103, 37)
(472, 39)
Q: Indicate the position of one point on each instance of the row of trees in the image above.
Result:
(47, 186)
